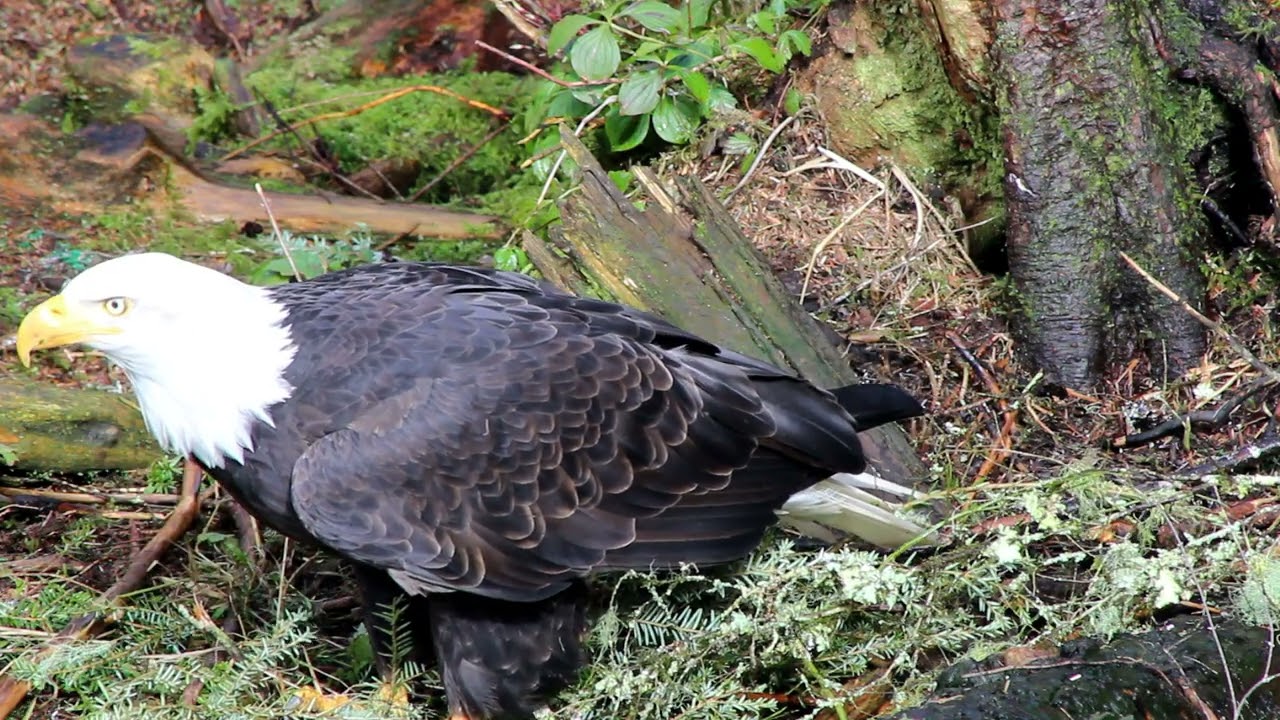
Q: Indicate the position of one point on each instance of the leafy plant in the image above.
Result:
(649, 66)
(309, 257)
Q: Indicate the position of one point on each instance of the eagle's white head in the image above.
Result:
(205, 353)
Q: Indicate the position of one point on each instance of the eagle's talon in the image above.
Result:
(389, 695)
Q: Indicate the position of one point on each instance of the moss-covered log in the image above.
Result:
(684, 258)
(1185, 670)
(45, 427)
(1095, 165)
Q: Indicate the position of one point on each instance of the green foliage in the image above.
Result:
(163, 475)
(652, 67)
(307, 257)
(432, 128)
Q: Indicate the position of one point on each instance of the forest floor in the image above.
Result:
(1055, 532)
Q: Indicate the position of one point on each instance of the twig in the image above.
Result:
(540, 72)
(459, 160)
(339, 114)
(1266, 444)
(316, 156)
(1004, 441)
(825, 241)
(55, 496)
(755, 163)
(13, 691)
(275, 229)
(1199, 419)
(1222, 332)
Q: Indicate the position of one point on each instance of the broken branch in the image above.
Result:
(13, 691)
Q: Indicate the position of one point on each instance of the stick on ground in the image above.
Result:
(12, 691)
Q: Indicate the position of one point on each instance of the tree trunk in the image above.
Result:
(1092, 170)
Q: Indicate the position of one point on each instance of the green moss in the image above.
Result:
(902, 99)
(427, 126)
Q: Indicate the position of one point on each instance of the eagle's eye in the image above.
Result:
(115, 306)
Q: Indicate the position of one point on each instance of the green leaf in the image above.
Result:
(639, 92)
(798, 41)
(692, 54)
(566, 104)
(739, 144)
(625, 131)
(656, 16)
(510, 258)
(759, 49)
(765, 20)
(791, 101)
(566, 30)
(698, 84)
(700, 10)
(721, 99)
(622, 179)
(595, 55)
(647, 49)
(675, 119)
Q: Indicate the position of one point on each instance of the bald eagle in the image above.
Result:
(473, 442)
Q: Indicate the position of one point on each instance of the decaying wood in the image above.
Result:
(141, 161)
(14, 691)
(71, 430)
(1091, 169)
(1187, 668)
(683, 257)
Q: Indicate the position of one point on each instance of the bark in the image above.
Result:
(1185, 670)
(1091, 171)
(55, 429)
(684, 258)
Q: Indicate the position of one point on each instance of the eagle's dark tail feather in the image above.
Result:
(504, 660)
(874, 404)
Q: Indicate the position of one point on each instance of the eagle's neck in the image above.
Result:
(203, 391)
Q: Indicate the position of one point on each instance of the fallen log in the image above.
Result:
(1186, 668)
(48, 428)
(106, 167)
(684, 258)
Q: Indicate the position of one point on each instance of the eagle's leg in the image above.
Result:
(506, 659)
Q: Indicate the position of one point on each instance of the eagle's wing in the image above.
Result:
(529, 446)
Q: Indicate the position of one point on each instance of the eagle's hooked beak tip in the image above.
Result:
(47, 325)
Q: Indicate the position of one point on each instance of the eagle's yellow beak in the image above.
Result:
(53, 324)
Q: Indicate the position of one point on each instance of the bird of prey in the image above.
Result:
(474, 442)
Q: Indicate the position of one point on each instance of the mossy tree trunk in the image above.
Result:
(1093, 168)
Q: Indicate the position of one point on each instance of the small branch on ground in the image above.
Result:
(328, 164)
(42, 498)
(13, 691)
(543, 73)
(1264, 446)
(1213, 326)
(1004, 440)
(1201, 420)
(461, 159)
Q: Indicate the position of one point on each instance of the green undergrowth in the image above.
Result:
(432, 128)
(795, 620)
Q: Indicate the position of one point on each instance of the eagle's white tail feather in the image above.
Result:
(839, 502)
